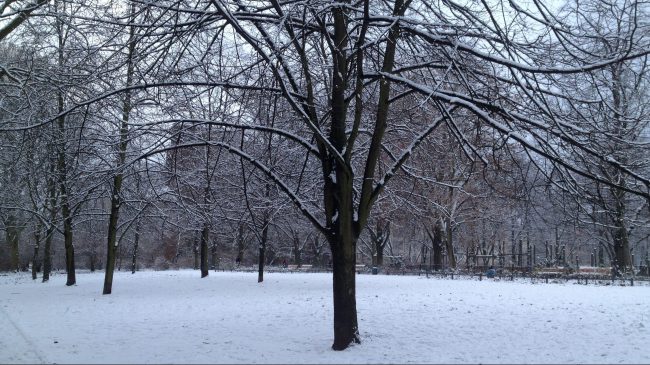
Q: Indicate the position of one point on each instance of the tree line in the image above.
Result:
(209, 132)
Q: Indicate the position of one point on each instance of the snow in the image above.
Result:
(176, 317)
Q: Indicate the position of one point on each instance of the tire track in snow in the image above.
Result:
(29, 342)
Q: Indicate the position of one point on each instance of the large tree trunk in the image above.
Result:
(346, 329)
(622, 255)
(449, 244)
(205, 238)
(338, 197)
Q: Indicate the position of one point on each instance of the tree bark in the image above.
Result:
(116, 200)
(436, 243)
(346, 329)
(449, 244)
(47, 253)
(91, 259)
(195, 251)
(622, 256)
(62, 167)
(339, 201)
(215, 258)
(262, 250)
(240, 244)
(297, 257)
(136, 243)
(205, 238)
(69, 247)
(37, 244)
(111, 243)
(12, 237)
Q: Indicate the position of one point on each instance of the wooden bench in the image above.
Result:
(301, 268)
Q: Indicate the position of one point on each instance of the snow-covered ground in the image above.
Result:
(176, 317)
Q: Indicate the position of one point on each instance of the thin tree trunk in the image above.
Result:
(111, 243)
(297, 257)
(195, 250)
(116, 200)
(91, 259)
(136, 242)
(47, 252)
(262, 250)
(120, 256)
(51, 205)
(450, 245)
(69, 247)
(12, 237)
(37, 244)
(66, 212)
(215, 258)
(205, 238)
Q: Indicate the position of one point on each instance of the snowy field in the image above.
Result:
(176, 317)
